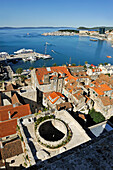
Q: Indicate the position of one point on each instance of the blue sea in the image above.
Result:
(67, 49)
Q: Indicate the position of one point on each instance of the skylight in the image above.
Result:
(48, 68)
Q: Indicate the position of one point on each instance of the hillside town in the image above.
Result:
(78, 101)
(101, 33)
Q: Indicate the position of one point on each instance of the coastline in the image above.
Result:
(66, 33)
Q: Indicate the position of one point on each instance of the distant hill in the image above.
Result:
(31, 27)
(94, 28)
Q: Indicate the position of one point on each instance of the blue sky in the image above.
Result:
(56, 13)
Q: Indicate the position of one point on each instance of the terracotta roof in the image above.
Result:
(105, 87)
(106, 100)
(82, 116)
(6, 107)
(54, 96)
(71, 78)
(100, 88)
(8, 127)
(60, 94)
(47, 94)
(87, 98)
(52, 77)
(96, 70)
(9, 87)
(40, 72)
(14, 99)
(78, 95)
(11, 149)
(15, 112)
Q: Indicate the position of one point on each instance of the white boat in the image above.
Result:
(30, 58)
(23, 51)
(112, 46)
(45, 56)
(24, 59)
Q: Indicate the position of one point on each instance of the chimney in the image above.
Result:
(9, 113)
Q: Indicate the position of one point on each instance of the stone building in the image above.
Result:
(51, 99)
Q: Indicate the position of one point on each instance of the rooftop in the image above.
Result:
(106, 100)
(11, 149)
(40, 72)
(8, 127)
(15, 112)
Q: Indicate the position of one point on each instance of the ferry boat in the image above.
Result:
(23, 51)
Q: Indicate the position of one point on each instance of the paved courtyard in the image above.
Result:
(39, 152)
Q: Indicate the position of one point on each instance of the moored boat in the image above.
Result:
(91, 39)
(109, 57)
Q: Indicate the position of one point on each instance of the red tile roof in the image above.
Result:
(71, 78)
(8, 128)
(16, 112)
(14, 99)
(54, 96)
(100, 88)
(106, 100)
(9, 87)
(96, 70)
(40, 72)
(6, 107)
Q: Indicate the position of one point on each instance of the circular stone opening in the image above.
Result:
(48, 131)
(52, 133)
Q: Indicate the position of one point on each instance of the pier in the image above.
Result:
(23, 56)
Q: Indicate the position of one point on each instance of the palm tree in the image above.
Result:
(19, 70)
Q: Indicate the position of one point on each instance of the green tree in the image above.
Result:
(31, 68)
(54, 64)
(85, 67)
(86, 62)
(19, 70)
(90, 67)
(23, 77)
(105, 64)
(96, 116)
(100, 64)
(73, 64)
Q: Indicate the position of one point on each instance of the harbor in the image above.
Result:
(23, 54)
(60, 48)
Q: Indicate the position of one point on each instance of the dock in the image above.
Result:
(25, 55)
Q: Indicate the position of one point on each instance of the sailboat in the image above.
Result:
(45, 56)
